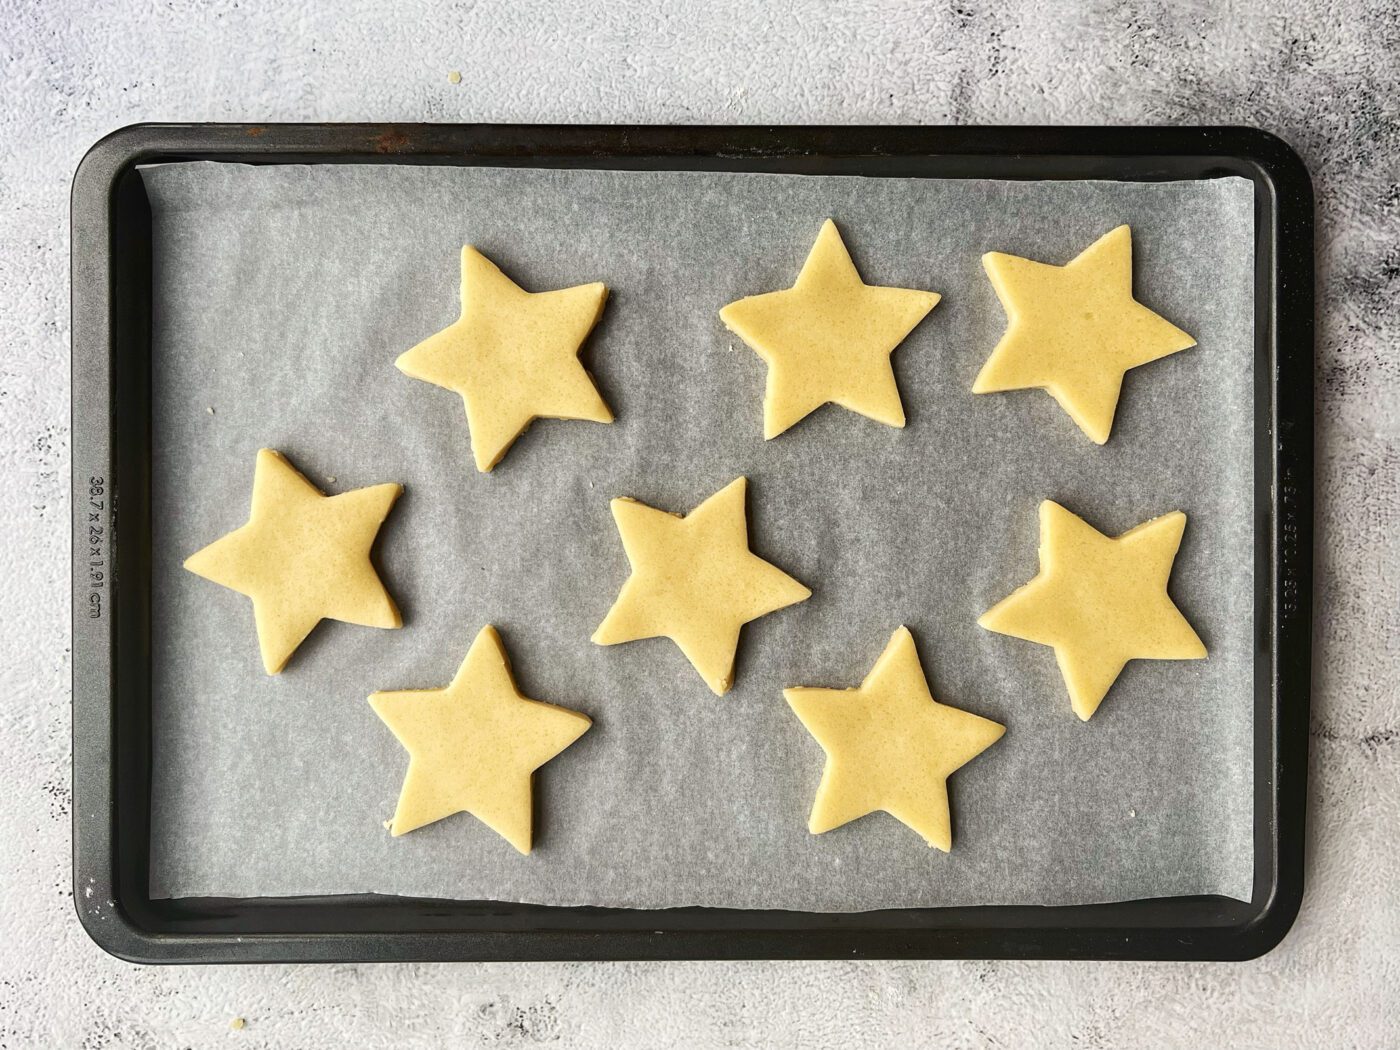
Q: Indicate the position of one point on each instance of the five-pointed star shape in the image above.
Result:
(828, 338)
(1073, 330)
(1099, 601)
(303, 557)
(513, 356)
(890, 745)
(695, 581)
(474, 745)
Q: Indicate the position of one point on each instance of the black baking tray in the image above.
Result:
(111, 298)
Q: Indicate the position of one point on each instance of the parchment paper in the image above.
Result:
(282, 297)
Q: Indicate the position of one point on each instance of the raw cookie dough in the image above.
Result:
(513, 356)
(302, 557)
(1073, 330)
(475, 744)
(890, 746)
(828, 338)
(1099, 601)
(695, 581)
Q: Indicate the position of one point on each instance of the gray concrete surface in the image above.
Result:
(1321, 74)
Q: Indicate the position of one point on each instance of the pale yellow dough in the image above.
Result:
(695, 581)
(890, 746)
(513, 356)
(475, 744)
(1074, 330)
(828, 338)
(302, 557)
(1100, 601)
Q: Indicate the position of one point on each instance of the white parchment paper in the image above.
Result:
(283, 295)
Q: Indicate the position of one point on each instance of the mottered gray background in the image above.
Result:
(1321, 75)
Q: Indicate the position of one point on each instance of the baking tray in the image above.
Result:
(111, 297)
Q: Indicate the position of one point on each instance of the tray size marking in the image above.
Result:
(95, 508)
(1289, 530)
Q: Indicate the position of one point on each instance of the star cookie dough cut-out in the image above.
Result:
(513, 356)
(1099, 601)
(828, 338)
(890, 745)
(1074, 330)
(475, 744)
(695, 581)
(303, 557)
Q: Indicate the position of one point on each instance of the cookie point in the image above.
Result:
(982, 384)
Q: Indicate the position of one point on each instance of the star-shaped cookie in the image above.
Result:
(475, 744)
(695, 581)
(1073, 330)
(513, 356)
(890, 746)
(303, 557)
(828, 338)
(1100, 601)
